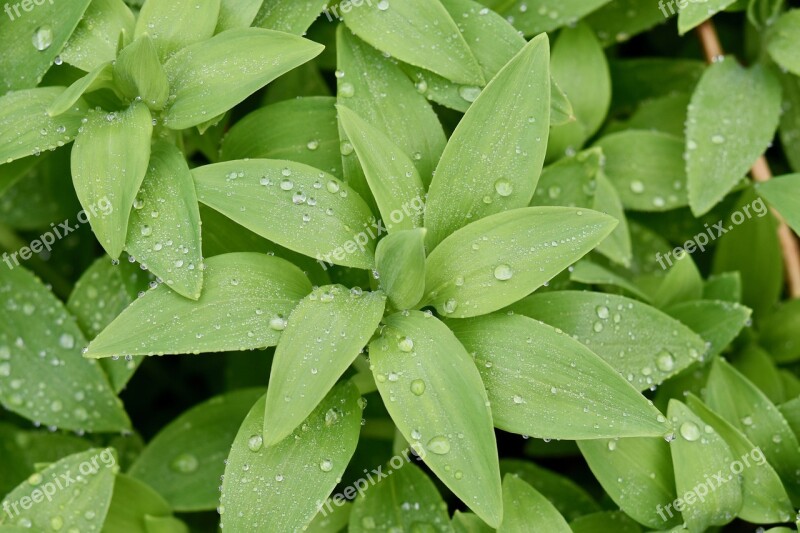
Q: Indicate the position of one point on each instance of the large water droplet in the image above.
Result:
(405, 344)
(42, 37)
(503, 272)
(439, 445)
(690, 431)
(185, 463)
(503, 187)
(418, 387)
(255, 442)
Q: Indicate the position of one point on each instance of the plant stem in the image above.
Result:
(760, 171)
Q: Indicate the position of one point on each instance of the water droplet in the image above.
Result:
(277, 323)
(602, 311)
(665, 362)
(690, 431)
(42, 37)
(439, 445)
(146, 230)
(637, 187)
(503, 187)
(185, 463)
(718, 139)
(326, 465)
(405, 344)
(450, 306)
(287, 185)
(332, 187)
(312, 145)
(469, 93)
(346, 90)
(503, 272)
(418, 387)
(255, 442)
(383, 5)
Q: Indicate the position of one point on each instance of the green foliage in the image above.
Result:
(445, 265)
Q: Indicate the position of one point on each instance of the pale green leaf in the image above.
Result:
(323, 336)
(282, 200)
(570, 181)
(234, 14)
(164, 228)
(717, 322)
(619, 20)
(640, 342)
(331, 522)
(176, 24)
(185, 460)
(287, 483)
(698, 454)
(32, 37)
(72, 393)
(783, 193)
(784, 41)
(200, 75)
(385, 505)
(400, 261)
(243, 306)
(49, 502)
(695, 13)
(543, 383)
(434, 393)
(650, 178)
(764, 499)
(616, 246)
(746, 408)
(493, 159)
(584, 271)
(131, 502)
(732, 119)
(604, 521)
(526, 510)
(109, 162)
(100, 77)
(138, 73)
(499, 259)
(726, 287)
(290, 16)
(683, 283)
(97, 36)
(26, 128)
(469, 523)
(645, 468)
(780, 333)
(392, 177)
(304, 130)
(418, 32)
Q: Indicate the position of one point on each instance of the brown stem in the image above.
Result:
(760, 172)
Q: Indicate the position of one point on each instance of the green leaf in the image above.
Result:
(497, 260)
(109, 162)
(698, 454)
(494, 157)
(525, 509)
(283, 200)
(433, 392)
(164, 228)
(695, 13)
(243, 306)
(579, 67)
(717, 322)
(732, 119)
(607, 324)
(138, 73)
(641, 79)
(650, 178)
(286, 483)
(392, 177)
(683, 283)
(177, 24)
(780, 333)
(753, 249)
(726, 287)
(666, 114)
(764, 499)
(790, 120)
(534, 17)
(545, 384)
(305, 369)
(400, 261)
(31, 39)
(645, 468)
(379, 91)
(23, 119)
(619, 20)
(783, 40)
(100, 77)
(570, 181)
(332, 522)
(616, 246)
(200, 75)
(758, 366)
(288, 15)
(584, 271)
(76, 395)
(783, 193)
(568, 497)
(185, 460)
(131, 503)
(745, 407)
(605, 521)
(384, 507)
(235, 14)
(304, 130)
(90, 474)
(99, 296)
(418, 32)
(97, 36)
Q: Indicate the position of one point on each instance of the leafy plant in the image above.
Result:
(482, 238)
